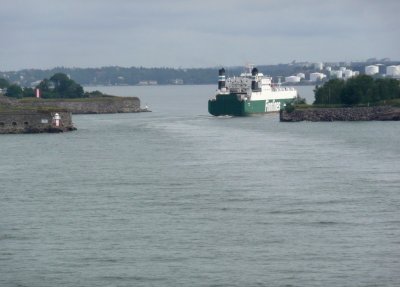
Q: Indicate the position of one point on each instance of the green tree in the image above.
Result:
(4, 83)
(358, 90)
(60, 86)
(329, 93)
(64, 87)
(44, 85)
(386, 89)
(14, 91)
(45, 89)
(28, 93)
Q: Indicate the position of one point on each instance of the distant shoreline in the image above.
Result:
(117, 75)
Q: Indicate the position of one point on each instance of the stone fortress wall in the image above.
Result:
(35, 122)
(106, 105)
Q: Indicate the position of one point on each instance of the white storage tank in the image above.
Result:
(348, 74)
(336, 74)
(371, 70)
(393, 70)
(316, 76)
(301, 75)
(318, 66)
(292, 79)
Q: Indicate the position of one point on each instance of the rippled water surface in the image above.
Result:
(180, 198)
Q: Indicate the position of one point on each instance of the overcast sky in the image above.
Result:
(194, 33)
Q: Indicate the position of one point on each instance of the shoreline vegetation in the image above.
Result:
(360, 98)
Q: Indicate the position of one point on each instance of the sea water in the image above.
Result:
(177, 197)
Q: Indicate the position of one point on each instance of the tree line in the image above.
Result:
(58, 86)
(115, 75)
(358, 90)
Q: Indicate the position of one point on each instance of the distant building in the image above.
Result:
(348, 74)
(318, 66)
(343, 73)
(393, 71)
(35, 83)
(371, 70)
(292, 79)
(314, 77)
(338, 74)
(177, 82)
(147, 83)
(301, 75)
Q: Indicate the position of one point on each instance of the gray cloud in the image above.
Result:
(76, 33)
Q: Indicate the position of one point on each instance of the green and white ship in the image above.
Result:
(250, 93)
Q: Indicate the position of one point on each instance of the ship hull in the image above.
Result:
(234, 105)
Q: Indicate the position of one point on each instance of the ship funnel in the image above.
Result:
(254, 82)
(221, 79)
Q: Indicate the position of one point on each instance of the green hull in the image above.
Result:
(232, 105)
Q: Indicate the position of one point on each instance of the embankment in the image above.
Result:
(377, 113)
(99, 105)
(35, 121)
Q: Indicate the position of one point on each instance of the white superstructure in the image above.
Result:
(255, 86)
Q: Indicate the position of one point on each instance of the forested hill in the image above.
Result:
(117, 75)
(139, 75)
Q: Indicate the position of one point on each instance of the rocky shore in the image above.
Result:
(376, 113)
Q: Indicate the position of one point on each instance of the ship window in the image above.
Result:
(1, 124)
(14, 123)
(26, 123)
